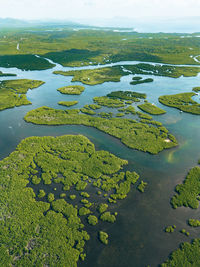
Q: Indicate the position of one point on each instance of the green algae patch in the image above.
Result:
(151, 109)
(182, 101)
(95, 76)
(188, 193)
(13, 92)
(46, 228)
(68, 103)
(71, 89)
(148, 136)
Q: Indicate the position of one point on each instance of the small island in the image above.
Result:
(68, 103)
(182, 101)
(71, 89)
(151, 109)
(13, 92)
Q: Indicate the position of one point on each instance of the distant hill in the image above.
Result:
(17, 23)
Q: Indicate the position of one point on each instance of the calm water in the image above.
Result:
(137, 238)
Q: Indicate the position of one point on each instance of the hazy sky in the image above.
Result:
(74, 9)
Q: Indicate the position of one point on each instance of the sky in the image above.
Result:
(97, 9)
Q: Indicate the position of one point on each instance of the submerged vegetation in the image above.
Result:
(71, 89)
(13, 92)
(151, 109)
(182, 101)
(50, 231)
(143, 136)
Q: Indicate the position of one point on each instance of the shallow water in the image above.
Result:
(137, 238)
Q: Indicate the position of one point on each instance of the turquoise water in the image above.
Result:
(137, 238)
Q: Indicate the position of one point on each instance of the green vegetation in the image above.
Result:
(92, 220)
(88, 111)
(120, 114)
(85, 194)
(92, 106)
(95, 76)
(13, 92)
(72, 197)
(196, 89)
(6, 74)
(151, 109)
(126, 95)
(141, 187)
(106, 115)
(162, 70)
(51, 226)
(181, 101)
(86, 47)
(183, 231)
(128, 110)
(108, 102)
(138, 135)
(139, 81)
(25, 62)
(68, 103)
(186, 255)
(170, 229)
(103, 207)
(194, 223)
(108, 217)
(71, 89)
(51, 197)
(103, 237)
(188, 192)
(41, 193)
